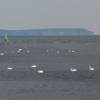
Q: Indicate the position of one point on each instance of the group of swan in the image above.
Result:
(90, 69)
(40, 71)
(20, 50)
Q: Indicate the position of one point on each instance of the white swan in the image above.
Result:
(10, 68)
(40, 71)
(73, 51)
(2, 54)
(34, 66)
(19, 50)
(91, 68)
(73, 69)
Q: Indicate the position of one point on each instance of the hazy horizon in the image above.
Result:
(49, 32)
(37, 14)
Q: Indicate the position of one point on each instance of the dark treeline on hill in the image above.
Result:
(48, 32)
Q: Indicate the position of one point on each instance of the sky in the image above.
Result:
(30, 14)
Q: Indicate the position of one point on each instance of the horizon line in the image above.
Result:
(46, 28)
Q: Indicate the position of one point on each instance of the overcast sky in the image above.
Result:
(22, 14)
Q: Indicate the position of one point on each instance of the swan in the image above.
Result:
(91, 68)
(2, 54)
(10, 68)
(34, 66)
(40, 71)
(73, 69)
(19, 50)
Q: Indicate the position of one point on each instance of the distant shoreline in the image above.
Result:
(48, 32)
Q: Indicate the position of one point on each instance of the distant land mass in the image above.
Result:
(48, 32)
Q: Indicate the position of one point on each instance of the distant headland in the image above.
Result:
(48, 32)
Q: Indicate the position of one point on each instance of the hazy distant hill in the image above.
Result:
(47, 32)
